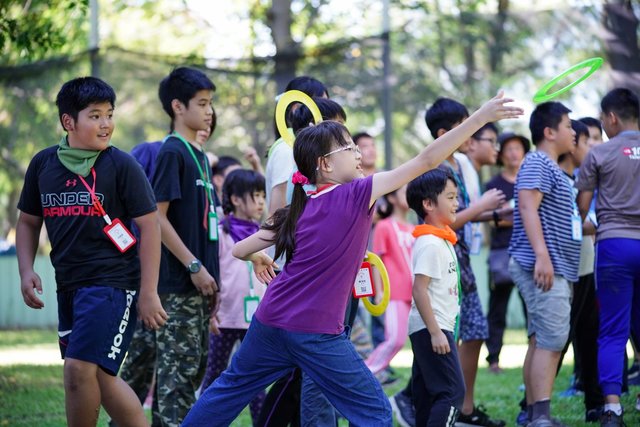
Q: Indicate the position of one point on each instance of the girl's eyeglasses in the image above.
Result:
(354, 148)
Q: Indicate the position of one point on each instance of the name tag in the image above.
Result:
(119, 235)
(250, 307)
(576, 228)
(213, 226)
(363, 286)
(476, 241)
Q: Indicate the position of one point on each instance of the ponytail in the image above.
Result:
(284, 222)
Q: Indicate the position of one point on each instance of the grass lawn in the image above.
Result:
(33, 395)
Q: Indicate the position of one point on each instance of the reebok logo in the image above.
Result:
(117, 340)
(71, 183)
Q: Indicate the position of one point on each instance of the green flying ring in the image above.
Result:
(542, 95)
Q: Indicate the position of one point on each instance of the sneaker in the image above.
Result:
(478, 417)
(386, 379)
(634, 369)
(403, 410)
(523, 418)
(494, 368)
(633, 379)
(541, 422)
(571, 392)
(638, 402)
(544, 421)
(610, 419)
(593, 415)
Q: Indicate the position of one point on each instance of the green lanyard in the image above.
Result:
(250, 267)
(207, 178)
(212, 216)
(461, 187)
(251, 301)
(455, 334)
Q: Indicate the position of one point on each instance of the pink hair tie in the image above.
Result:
(298, 178)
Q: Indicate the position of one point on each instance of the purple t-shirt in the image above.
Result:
(310, 294)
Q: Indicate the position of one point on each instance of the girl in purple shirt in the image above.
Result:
(324, 236)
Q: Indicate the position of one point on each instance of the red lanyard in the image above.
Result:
(94, 198)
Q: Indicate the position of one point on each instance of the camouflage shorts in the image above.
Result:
(181, 355)
(139, 365)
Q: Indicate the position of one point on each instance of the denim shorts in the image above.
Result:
(96, 324)
(473, 322)
(549, 313)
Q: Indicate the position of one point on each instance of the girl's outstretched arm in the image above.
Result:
(250, 249)
(258, 241)
(435, 153)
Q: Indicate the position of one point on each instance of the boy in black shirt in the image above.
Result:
(189, 267)
(98, 272)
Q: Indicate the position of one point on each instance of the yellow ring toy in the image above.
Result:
(281, 108)
(378, 309)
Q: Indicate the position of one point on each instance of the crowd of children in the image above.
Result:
(219, 283)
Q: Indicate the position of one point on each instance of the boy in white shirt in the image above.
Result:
(437, 382)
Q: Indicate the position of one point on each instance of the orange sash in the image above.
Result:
(446, 233)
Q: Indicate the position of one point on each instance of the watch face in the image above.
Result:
(194, 267)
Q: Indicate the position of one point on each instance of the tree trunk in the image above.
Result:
(621, 43)
(287, 50)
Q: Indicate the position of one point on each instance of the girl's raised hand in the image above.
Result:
(495, 109)
(263, 267)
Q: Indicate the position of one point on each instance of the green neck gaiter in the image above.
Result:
(75, 159)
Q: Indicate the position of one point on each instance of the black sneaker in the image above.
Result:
(403, 410)
(593, 415)
(478, 417)
(611, 419)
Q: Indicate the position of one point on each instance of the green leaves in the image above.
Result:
(31, 30)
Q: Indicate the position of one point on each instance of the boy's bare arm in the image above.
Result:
(439, 341)
(584, 202)
(529, 202)
(149, 307)
(27, 234)
(203, 281)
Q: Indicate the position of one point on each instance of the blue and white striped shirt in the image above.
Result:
(539, 172)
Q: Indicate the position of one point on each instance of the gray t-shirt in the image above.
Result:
(614, 169)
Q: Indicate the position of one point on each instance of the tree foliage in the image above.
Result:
(32, 29)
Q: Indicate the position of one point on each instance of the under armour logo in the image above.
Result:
(71, 183)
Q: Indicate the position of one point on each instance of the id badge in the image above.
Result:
(476, 242)
(213, 227)
(576, 228)
(119, 235)
(250, 307)
(363, 287)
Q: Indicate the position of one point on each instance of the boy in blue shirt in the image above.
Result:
(545, 252)
(98, 271)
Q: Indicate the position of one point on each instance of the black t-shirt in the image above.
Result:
(500, 236)
(177, 180)
(82, 254)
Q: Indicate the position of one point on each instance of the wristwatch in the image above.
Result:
(194, 266)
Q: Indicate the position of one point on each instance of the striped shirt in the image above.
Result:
(539, 172)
